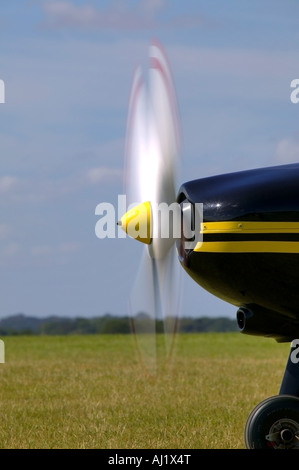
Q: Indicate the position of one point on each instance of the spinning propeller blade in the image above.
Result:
(152, 160)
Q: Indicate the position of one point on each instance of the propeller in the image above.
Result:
(152, 167)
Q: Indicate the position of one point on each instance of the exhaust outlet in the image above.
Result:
(258, 321)
(243, 315)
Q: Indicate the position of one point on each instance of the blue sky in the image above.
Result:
(67, 68)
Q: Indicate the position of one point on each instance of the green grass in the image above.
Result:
(91, 391)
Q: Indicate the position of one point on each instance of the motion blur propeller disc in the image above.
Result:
(152, 161)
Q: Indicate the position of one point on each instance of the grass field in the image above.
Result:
(72, 392)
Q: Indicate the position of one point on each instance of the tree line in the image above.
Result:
(106, 324)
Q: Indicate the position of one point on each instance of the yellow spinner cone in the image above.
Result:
(137, 223)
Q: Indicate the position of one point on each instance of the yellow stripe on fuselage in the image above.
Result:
(250, 227)
(246, 246)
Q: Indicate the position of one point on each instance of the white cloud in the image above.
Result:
(10, 250)
(68, 247)
(151, 7)
(103, 174)
(7, 184)
(65, 13)
(119, 15)
(29, 189)
(53, 254)
(5, 230)
(62, 248)
(287, 151)
(41, 250)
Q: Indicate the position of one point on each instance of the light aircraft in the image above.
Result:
(238, 239)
